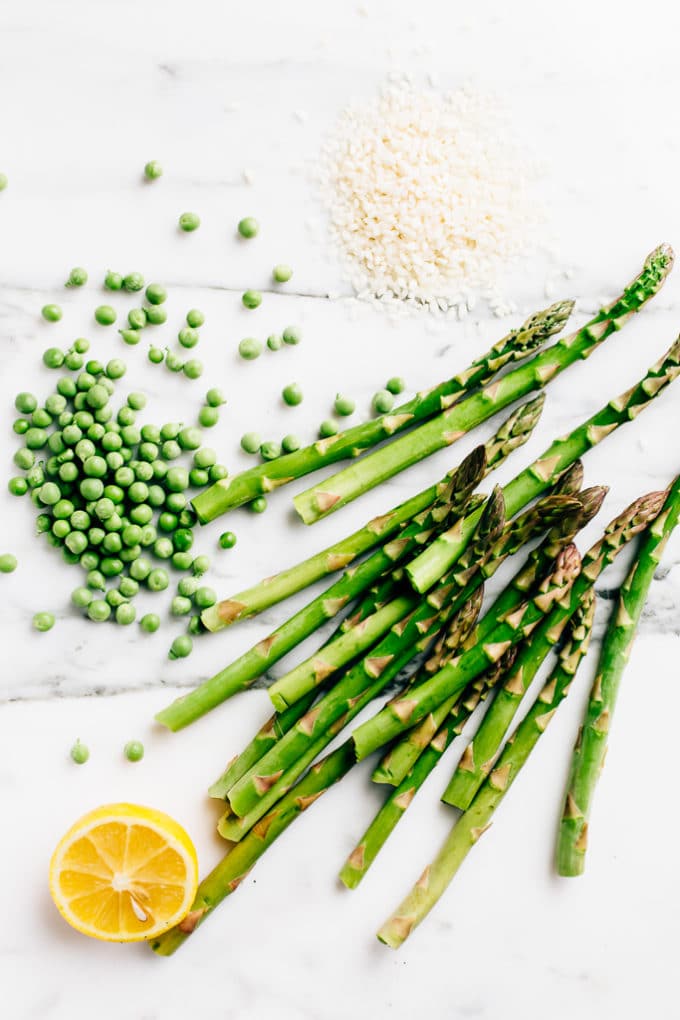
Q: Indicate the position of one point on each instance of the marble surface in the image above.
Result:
(235, 103)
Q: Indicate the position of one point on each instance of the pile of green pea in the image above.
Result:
(110, 494)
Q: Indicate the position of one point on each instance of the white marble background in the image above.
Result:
(89, 92)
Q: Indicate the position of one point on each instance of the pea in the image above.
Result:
(155, 355)
(195, 318)
(43, 621)
(281, 273)
(344, 406)
(292, 335)
(274, 342)
(208, 417)
(133, 282)
(77, 277)
(189, 221)
(99, 610)
(96, 580)
(248, 227)
(53, 357)
(125, 614)
(182, 561)
(156, 315)
(292, 394)
(227, 540)
(51, 313)
(193, 369)
(157, 580)
(153, 170)
(328, 428)
(290, 443)
(181, 647)
(134, 750)
(113, 281)
(250, 442)
(200, 565)
(188, 337)
(140, 569)
(180, 606)
(3, 181)
(150, 623)
(270, 451)
(105, 315)
(183, 539)
(196, 625)
(79, 753)
(21, 426)
(177, 479)
(251, 299)
(130, 336)
(258, 505)
(25, 403)
(173, 362)
(8, 563)
(395, 385)
(156, 294)
(115, 369)
(250, 348)
(163, 548)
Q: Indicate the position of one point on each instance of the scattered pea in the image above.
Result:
(3, 181)
(134, 750)
(43, 621)
(130, 336)
(156, 294)
(282, 273)
(99, 610)
(383, 402)
(215, 397)
(25, 403)
(270, 451)
(150, 623)
(217, 472)
(181, 647)
(250, 442)
(77, 277)
(227, 540)
(200, 565)
(251, 299)
(195, 318)
(328, 428)
(8, 563)
(258, 505)
(125, 614)
(250, 348)
(395, 385)
(292, 394)
(291, 335)
(290, 443)
(204, 597)
(156, 315)
(113, 281)
(344, 406)
(79, 753)
(248, 227)
(189, 221)
(153, 170)
(133, 282)
(208, 417)
(158, 579)
(180, 606)
(51, 313)
(137, 318)
(274, 342)
(173, 362)
(156, 356)
(193, 369)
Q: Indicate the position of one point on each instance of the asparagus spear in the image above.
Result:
(477, 760)
(518, 344)
(325, 662)
(226, 877)
(400, 715)
(512, 433)
(254, 795)
(338, 490)
(565, 514)
(243, 672)
(429, 754)
(533, 480)
(477, 819)
(591, 745)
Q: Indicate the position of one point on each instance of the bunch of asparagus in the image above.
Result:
(413, 617)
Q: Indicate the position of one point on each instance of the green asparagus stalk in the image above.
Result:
(341, 488)
(564, 515)
(226, 877)
(377, 666)
(531, 482)
(324, 722)
(591, 746)
(243, 672)
(280, 722)
(517, 345)
(429, 754)
(324, 663)
(513, 433)
(395, 718)
(477, 819)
